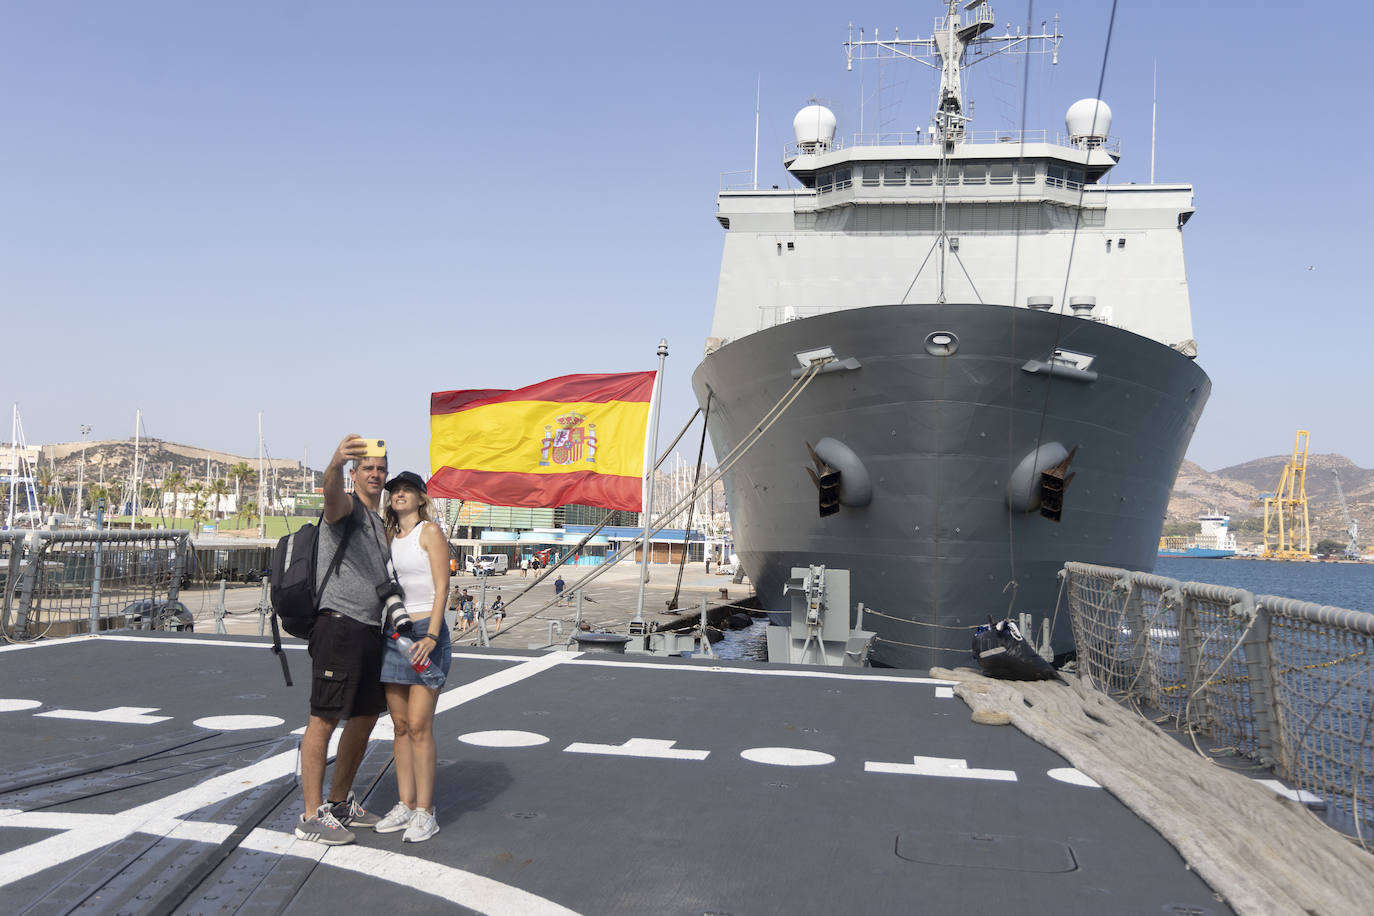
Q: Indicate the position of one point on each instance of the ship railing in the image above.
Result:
(62, 583)
(1287, 683)
(738, 180)
(927, 138)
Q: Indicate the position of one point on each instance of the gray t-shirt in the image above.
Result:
(352, 588)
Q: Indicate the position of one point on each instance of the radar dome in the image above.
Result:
(1089, 121)
(814, 127)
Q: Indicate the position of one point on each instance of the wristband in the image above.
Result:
(431, 636)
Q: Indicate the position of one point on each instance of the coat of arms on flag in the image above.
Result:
(563, 444)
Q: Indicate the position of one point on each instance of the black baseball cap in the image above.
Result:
(409, 477)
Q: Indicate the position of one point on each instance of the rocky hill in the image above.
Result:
(1236, 491)
(113, 460)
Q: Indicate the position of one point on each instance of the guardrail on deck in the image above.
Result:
(1288, 683)
(65, 582)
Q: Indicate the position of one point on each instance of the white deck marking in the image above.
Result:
(1073, 776)
(498, 738)
(87, 833)
(436, 879)
(18, 705)
(455, 885)
(124, 715)
(657, 748)
(944, 693)
(1297, 795)
(786, 756)
(939, 766)
(237, 723)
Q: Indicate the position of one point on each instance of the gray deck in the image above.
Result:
(552, 796)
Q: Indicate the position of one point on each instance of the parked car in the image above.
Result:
(156, 614)
(488, 564)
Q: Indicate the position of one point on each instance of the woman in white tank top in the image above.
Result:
(420, 558)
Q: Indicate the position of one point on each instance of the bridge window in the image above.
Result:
(975, 173)
(1002, 172)
(923, 174)
(870, 175)
(894, 174)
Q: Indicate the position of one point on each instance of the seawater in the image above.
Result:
(750, 643)
(1347, 585)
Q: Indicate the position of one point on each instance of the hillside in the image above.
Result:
(1235, 491)
(112, 460)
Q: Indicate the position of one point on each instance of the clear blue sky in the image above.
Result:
(327, 210)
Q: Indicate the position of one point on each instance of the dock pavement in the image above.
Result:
(608, 603)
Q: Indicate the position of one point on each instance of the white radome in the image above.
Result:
(1081, 116)
(814, 127)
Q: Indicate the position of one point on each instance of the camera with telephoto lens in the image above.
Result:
(394, 606)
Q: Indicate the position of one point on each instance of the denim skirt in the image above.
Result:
(396, 666)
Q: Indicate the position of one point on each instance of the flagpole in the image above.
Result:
(649, 479)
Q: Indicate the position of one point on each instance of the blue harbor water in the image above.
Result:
(1347, 585)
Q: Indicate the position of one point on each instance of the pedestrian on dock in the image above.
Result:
(524, 567)
(498, 613)
(418, 555)
(345, 644)
(558, 585)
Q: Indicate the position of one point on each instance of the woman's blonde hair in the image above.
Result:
(393, 522)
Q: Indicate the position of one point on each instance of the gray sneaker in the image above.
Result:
(398, 818)
(323, 828)
(351, 814)
(423, 825)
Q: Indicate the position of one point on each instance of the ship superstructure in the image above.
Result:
(990, 311)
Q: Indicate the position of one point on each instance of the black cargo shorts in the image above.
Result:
(346, 668)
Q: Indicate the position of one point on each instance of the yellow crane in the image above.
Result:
(1286, 531)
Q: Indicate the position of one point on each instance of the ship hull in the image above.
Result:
(942, 545)
(1198, 553)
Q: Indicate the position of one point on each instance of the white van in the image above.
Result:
(488, 564)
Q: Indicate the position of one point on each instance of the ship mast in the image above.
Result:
(947, 51)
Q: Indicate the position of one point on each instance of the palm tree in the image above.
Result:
(176, 482)
(96, 492)
(241, 474)
(45, 485)
(218, 488)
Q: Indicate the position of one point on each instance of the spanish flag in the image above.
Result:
(573, 439)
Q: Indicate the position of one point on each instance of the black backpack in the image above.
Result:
(295, 599)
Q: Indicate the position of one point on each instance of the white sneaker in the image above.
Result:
(423, 825)
(398, 818)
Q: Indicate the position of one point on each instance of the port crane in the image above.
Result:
(1352, 529)
(1285, 512)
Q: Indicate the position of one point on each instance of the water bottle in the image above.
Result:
(430, 673)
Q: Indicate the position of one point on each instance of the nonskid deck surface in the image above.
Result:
(156, 773)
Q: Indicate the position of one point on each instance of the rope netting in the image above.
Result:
(1287, 683)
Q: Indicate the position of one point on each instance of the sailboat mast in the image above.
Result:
(262, 506)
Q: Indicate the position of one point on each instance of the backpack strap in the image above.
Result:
(319, 592)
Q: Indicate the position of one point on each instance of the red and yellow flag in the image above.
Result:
(573, 439)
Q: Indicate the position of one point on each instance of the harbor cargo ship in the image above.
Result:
(1214, 541)
(983, 353)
